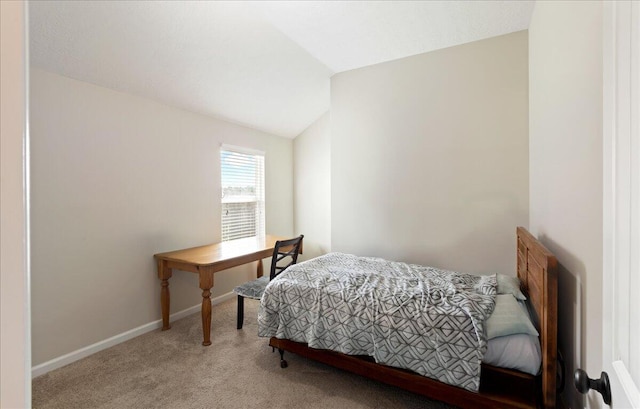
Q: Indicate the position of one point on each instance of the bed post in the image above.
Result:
(537, 270)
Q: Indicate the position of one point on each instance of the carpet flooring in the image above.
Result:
(171, 369)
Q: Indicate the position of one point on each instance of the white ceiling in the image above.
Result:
(263, 64)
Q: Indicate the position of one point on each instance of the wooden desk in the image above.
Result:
(205, 261)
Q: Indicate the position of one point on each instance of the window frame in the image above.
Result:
(258, 199)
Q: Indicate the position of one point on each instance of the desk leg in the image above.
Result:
(206, 282)
(260, 269)
(164, 274)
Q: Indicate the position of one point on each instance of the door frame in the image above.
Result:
(621, 166)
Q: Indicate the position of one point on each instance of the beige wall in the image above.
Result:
(312, 187)
(429, 156)
(116, 179)
(565, 116)
(15, 354)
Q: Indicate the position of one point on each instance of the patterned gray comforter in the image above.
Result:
(424, 319)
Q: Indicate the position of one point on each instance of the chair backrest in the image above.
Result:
(285, 254)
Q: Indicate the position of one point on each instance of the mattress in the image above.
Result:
(300, 313)
(423, 319)
(518, 351)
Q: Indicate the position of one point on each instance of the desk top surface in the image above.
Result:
(223, 251)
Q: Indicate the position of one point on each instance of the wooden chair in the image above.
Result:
(285, 254)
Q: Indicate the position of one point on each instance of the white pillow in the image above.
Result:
(509, 285)
(509, 317)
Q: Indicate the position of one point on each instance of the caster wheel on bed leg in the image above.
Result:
(283, 362)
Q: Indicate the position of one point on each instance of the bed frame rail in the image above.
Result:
(517, 392)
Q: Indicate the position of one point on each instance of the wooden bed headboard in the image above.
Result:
(537, 271)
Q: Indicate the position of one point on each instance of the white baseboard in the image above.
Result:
(117, 339)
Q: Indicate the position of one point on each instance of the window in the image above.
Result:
(242, 177)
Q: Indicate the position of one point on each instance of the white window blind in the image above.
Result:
(242, 177)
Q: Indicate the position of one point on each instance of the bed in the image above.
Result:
(493, 386)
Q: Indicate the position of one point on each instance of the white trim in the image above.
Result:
(620, 165)
(118, 339)
(241, 149)
(623, 166)
(27, 204)
(627, 384)
(611, 193)
(15, 324)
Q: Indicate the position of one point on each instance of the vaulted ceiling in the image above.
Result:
(264, 64)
